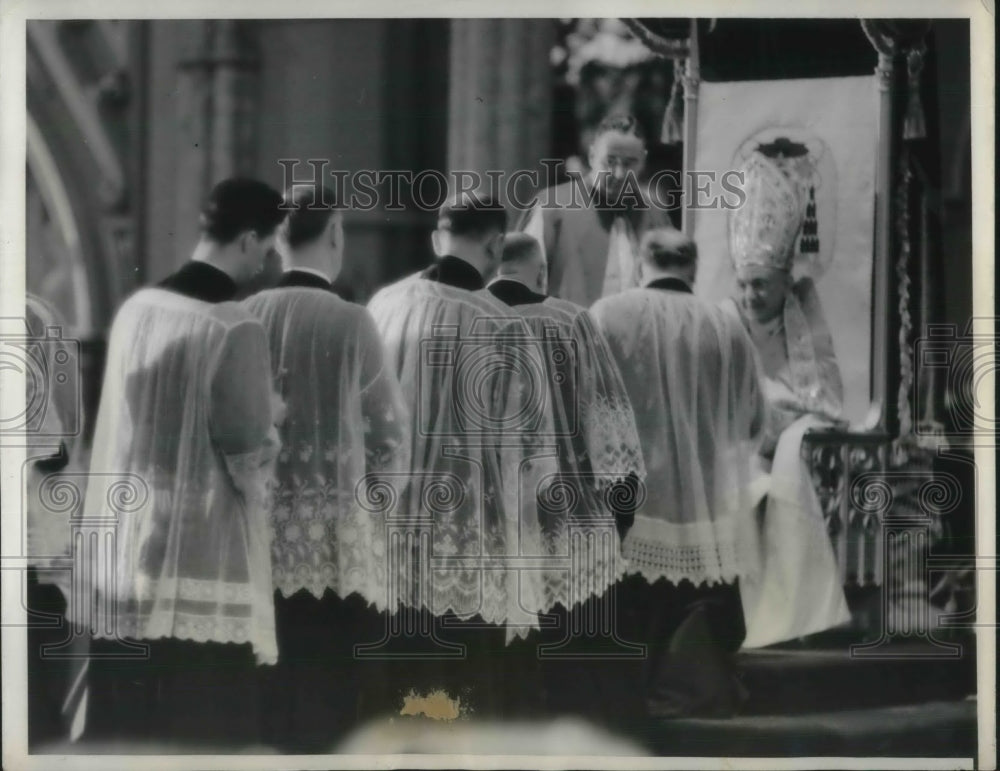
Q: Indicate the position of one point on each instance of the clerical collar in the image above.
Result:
(765, 330)
(671, 284)
(305, 277)
(454, 272)
(201, 281)
(512, 292)
(608, 210)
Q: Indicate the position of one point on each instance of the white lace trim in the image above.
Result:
(198, 628)
(614, 441)
(700, 552)
(321, 542)
(594, 565)
(233, 612)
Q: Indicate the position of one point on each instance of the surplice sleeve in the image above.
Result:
(386, 418)
(830, 400)
(243, 407)
(608, 421)
(607, 418)
(749, 406)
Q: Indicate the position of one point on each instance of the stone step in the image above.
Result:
(788, 681)
(936, 728)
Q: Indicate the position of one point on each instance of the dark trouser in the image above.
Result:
(49, 677)
(691, 634)
(420, 656)
(196, 694)
(311, 698)
(590, 664)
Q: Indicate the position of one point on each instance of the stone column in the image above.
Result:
(216, 117)
(500, 99)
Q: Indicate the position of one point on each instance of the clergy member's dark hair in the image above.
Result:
(309, 208)
(518, 248)
(666, 248)
(473, 214)
(622, 123)
(237, 205)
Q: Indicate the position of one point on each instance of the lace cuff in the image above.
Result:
(614, 446)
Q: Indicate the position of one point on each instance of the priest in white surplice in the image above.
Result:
(600, 468)
(187, 406)
(689, 371)
(469, 369)
(345, 418)
(800, 589)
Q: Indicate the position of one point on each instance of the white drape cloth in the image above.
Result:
(187, 407)
(482, 433)
(799, 589)
(622, 271)
(534, 226)
(690, 373)
(598, 445)
(345, 418)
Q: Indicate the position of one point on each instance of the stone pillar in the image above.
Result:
(216, 117)
(500, 105)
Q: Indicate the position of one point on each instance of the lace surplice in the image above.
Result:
(345, 424)
(597, 446)
(185, 422)
(690, 373)
(477, 431)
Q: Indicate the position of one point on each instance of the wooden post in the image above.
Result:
(499, 117)
(691, 83)
(881, 305)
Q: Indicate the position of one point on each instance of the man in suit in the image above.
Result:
(592, 226)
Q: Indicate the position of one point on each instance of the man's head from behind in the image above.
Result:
(471, 227)
(312, 234)
(618, 150)
(238, 222)
(667, 252)
(762, 290)
(522, 261)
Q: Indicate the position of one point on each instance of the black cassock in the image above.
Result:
(197, 693)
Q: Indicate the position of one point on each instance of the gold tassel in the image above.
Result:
(914, 125)
(673, 116)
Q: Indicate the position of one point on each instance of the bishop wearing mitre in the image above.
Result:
(799, 590)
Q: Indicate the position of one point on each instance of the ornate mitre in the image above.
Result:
(764, 229)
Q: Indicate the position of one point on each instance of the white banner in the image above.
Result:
(835, 121)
